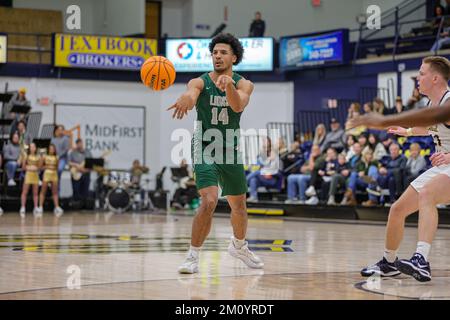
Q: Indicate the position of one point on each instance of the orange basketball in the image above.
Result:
(158, 73)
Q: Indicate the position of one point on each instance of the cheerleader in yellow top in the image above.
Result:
(50, 165)
(30, 164)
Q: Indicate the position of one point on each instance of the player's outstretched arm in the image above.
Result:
(414, 118)
(188, 99)
(237, 97)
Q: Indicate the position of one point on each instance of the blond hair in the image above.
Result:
(440, 65)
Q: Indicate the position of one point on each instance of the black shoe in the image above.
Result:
(416, 267)
(383, 268)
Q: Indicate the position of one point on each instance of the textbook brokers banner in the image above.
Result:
(114, 53)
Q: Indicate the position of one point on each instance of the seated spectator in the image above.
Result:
(338, 179)
(267, 175)
(443, 40)
(351, 140)
(376, 146)
(19, 98)
(24, 136)
(390, 176)
(362, 140)
(324, 169)
(416, 101)
(439, 12)
(380, 107)
(335, 138)
(282, 148)
(320, 134)
(399, 107)
(364, 175)
(368, 107)
(415, 165)
(355, 111)
(11, 154)
(297, 183)
(291, 161)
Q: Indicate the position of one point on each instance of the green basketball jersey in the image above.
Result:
(214, 112)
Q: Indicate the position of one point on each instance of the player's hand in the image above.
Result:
(371, 120)
(223, 81)
(399, 131)
(181, 108)
(439, 159)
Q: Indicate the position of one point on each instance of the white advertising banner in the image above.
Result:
(118, 129)
(192, 55)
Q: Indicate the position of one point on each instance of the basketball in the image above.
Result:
(158, 73)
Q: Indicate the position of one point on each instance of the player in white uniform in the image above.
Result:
(428, 190)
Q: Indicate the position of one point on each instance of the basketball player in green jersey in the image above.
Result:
(220, 98)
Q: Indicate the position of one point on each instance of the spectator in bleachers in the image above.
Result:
(338, 179)
(292, 160)
(386, 140)
(258, 26)
(368, 107)
(377, 147)
(380, 107)
(350, 141)
(352, 162)
(11, 154)
(297, 183)
(362, 140)
(24, 136)
(390, 176)
(266, 176)
(399, 107)
(324, 169)
(335, 138)
(355, 111)
(62, 144)
(439, 12)
(320, 134)
(282, 148)
(415, 165)
(416, 101)
(364, 175)
(444, 40)
(18, 98)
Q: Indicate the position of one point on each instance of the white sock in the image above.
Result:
(238, 243)
(390, 255)
(423, 248)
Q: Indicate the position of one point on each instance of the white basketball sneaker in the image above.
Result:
(37, 212)
(58, 211)
(245, 255)
(190, 264)
(22, 212)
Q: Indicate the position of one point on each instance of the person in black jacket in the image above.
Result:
(258, 26)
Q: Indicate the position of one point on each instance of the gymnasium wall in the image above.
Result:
(108, 17)
(180, 17)
(270, 102)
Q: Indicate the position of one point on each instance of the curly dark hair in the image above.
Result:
(235, 44)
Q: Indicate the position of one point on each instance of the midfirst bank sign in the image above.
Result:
(116, 53)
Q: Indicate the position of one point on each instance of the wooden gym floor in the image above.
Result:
(135, 256)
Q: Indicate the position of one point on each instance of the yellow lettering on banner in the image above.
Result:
(102, 52)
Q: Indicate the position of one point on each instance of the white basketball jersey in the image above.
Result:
(441, 131)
